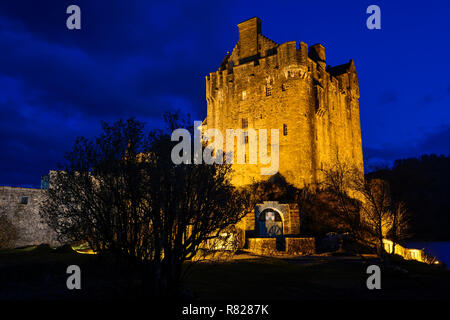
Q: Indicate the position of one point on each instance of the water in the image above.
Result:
(438, 249)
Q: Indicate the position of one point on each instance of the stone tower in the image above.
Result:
(264, 85)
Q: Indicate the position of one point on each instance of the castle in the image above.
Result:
(263, 85)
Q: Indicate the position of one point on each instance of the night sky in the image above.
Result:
(140, 58)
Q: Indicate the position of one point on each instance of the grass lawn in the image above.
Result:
(40, 273)
(315, 277)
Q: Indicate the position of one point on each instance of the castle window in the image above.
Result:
(24, 200)
(268, 91)
(244, 95)
(285, 129)
(244, 123)
(246, 137)
(283, 87)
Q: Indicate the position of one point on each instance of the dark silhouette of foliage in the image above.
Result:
(366, 206)
(276, 188)
(123, 195)
(423, 184)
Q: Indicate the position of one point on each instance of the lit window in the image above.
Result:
(244, 95)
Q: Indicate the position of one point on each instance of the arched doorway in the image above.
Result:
(270, 223)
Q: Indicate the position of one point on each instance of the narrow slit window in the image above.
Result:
(244, 123)
(285, 129)
(24, 200)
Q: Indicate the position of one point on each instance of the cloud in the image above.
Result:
(388, 97)
(435, 142)
(140, 58)
(436, 97)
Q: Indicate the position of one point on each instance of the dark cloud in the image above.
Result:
(111, 62)
(436, 97)
(388, 97)
(428, 99)
(131, 58)
(436, 142)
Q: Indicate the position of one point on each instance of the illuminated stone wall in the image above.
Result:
(409, 254)
(21, 208)
(263, 85)
(300, 245)
(293, 246)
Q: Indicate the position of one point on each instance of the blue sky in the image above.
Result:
(140, 58)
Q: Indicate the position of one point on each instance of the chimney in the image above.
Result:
(248, 37)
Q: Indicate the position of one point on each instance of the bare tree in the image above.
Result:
(380, 216)
(338, 182)
(123, 194)
(375, 209)
(400, 223)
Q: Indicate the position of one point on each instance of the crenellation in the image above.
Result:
(290, 88)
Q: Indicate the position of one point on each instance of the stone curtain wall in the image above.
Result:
(21, 208)
(294, 246)
(266, 246)
(409, 254)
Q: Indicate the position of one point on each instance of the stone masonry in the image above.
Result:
(21, 208)
(264, 85)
